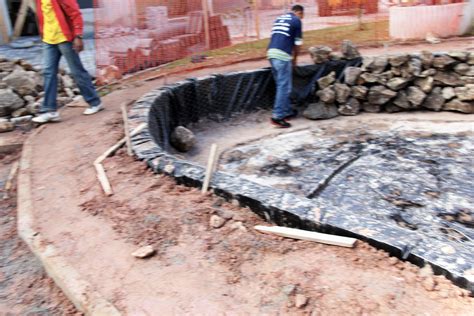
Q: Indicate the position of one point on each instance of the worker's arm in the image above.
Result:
(296, 51)
(298, 42)
(72, 10)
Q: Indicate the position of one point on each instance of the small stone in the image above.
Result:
(425, 84)
(238, 226)
(461, 56)
(462, 69)
(414, 66)
(398, 60)
(448, 78)
(427, 73)
(467, 79)
(33, 108)
(225, 214)
(342, 92)
(379, 65)
(144, 252)
(367, 63)
(335, 56)
(429, 284)
(327, 95)
(465, 93)
(216, 221)
(371, 108)
(289, 289)
(397, 83)
(415, 96)
(393, 260)
(169, 169)
(22, 120)
(349, 50)
(326, 81)
(368, 77)
(351, 108)
(182, 139)
(29, 98)
(459, 106)
(470, 58)
(6, 127)
(359, 92)
(351, 74)
(380, 95)
(9, 102)
(320, 111)
(320, 54)
(426, 271)
(426, 58)
(435, 100)
(300, 301)
(443, 62)
(392, 108)
(20, 112)
(448, 93)
(386, 76)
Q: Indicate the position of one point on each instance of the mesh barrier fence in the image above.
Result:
(138, 34)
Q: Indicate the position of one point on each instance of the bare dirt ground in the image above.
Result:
(197, 268)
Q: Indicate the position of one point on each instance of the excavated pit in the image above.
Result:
(406, 188)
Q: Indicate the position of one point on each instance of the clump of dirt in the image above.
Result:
(258, 273)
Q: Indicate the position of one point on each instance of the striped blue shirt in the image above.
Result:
(286, 33)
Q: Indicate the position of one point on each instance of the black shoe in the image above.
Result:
(280, 123)
(292, 115)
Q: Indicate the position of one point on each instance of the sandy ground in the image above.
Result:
(197, 268)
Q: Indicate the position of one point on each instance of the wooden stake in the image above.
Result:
(21, 17)
(4, 24)
(205, 9)
(257, 17)
(127, 131)
(104, 181)
(307, 235)
(11, 176)
(210, 168)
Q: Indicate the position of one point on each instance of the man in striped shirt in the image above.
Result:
(287, 37)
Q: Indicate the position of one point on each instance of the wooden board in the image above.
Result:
(307, 235)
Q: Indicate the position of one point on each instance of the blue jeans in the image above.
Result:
(52, 55)
(282, 73)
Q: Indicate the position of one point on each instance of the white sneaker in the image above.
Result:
(93, 109)
(47, 117)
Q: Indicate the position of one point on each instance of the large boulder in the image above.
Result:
(23, 82)
(462, 69)
(326, 81)
(349, 50)
(401, 100)
(327, 95)
(459, 106)
(350, 108)
(320, 54)
(380, 95)
(434, 101)
(320, 111)
(343, 92)
(465, 93)
(359, 92)
(415, 96)
(9, 102)
(379, 64)
(448, 78)
(397, 83)
(351, 74)
(182, 139)
(443, 62)
(425, 84)
(448, 93)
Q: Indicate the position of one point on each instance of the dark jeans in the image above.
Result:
(52, 55)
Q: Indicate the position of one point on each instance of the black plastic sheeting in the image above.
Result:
(219, 97)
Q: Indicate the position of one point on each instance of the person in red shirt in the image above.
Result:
(61, 28)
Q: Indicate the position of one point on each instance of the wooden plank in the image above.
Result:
(104, 181)
(128, 140)
(210, 168)
(205, 10)
(21, 18)
(307, 235)
(11, 176)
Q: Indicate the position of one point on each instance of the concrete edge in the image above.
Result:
(77, 290)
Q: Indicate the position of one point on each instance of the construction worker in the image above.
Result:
(61, 28)
(287, 37)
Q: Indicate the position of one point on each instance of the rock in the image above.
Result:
(69, 93)
(26, 65)
(461, 56)
(426, 58)
(351, 108)
(398, 60)
(470, 58)
(351, 74)
(22, 120)
(471, 72)
(108, 75)
(448, 78)
(392, 108)
(349, 50)
(320, 54)
(6, 126)
(23, 82)
(182, 139)
(462, 69)
(359, 92)
(380, 95)
(371, 108)
(326, 81)
(443, 62)
(327, 95)
(402, 100)
(33, 108)
(468, 80)
(425, 84)
(448, 93)
(426, 271)
(379, 65)
(9, 102)
(393, 261)
(300, 301)
(397, 83)
(67, 82)
(216, 221)
(227, 215)
(465, 93)
(342, 92)
(459, 106)
(367, 63)
(396, 71)
(415, 96)
(144, 252)
(20, 112)
(386, 76)
(238, 226)
(320, 111)
(289, 289)
(427, 73)
(429, 284)
(414, 66)
(335, 56)
(29, 98)
(368, 77)
(7, 66)
(434, 101)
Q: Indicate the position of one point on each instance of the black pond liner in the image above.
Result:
(221, 97)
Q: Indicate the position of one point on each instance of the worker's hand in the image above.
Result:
(78, 45)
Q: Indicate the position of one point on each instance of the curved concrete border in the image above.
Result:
(80, 292)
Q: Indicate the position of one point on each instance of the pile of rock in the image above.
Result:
(21, 92)
(395, 83)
